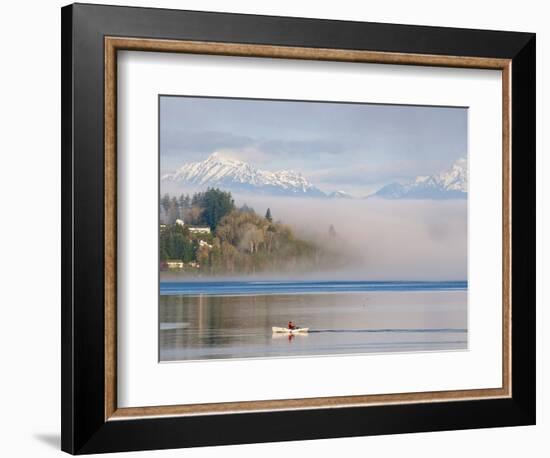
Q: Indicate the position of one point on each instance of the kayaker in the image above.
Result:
(291, 325)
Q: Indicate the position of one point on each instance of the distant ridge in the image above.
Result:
(231, 174)
(448, 184)
(238, 176)
(340, 195)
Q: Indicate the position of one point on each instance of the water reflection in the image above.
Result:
(212, 327)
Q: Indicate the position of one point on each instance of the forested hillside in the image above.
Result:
(238, 241)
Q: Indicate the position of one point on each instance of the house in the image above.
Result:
(199, 230)
(202, 243)
(174, 264)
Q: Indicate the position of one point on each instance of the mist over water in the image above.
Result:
(382, 239)
(209, 317)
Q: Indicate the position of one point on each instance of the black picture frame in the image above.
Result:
(84, 428)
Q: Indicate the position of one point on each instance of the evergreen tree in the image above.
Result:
(215, 204)
(187, 201)
(196, 200)
(173, 212)
(176, 243)
(246, 209)
(165, 203)
(268, 215)
(181, 205)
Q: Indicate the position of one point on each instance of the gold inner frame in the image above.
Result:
(114, 44)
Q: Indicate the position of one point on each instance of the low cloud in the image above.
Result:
(384, 240)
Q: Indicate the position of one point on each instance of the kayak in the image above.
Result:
(277, 330)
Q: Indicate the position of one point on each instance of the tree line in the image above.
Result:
(240, 240)
(203, 208)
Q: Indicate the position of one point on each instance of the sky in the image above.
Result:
(356, 148)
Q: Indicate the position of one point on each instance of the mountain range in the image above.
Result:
(238, 176)
(448, 184)
(235, 175)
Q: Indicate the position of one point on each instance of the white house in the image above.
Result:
(199, 230)
(203, 243)
(174, 264)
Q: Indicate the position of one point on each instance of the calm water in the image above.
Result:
(219, 320)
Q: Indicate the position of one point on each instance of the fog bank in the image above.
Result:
(383, 239)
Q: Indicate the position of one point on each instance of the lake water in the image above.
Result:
(230, 319)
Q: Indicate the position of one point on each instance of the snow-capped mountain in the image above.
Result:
(448, 184)
(235, 175)
(340, 195)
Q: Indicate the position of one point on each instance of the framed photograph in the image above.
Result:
(282, 228)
